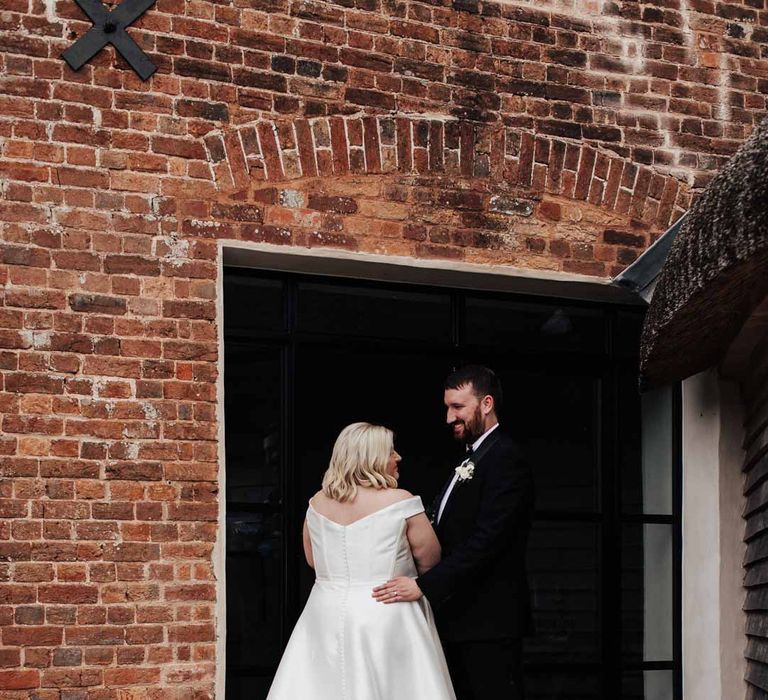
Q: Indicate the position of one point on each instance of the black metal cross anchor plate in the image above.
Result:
(109, 28)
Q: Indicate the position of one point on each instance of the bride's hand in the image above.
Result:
(402, 589)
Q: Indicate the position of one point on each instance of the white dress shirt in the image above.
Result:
(448, 491)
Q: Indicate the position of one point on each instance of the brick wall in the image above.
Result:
(528, 134)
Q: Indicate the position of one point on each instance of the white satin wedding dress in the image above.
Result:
(346, 645)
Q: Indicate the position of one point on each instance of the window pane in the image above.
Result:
(646, 449)
(553, 406)
(373, 313)
(404, 391)
(254, 512)
(252, 305)
(647, 588)
(533, 327)
(629, 326)
(563, 569)
(657, 451)
(648, 685)
(556, 417)
(562, 686)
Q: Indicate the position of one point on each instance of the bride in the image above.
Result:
(360, 531)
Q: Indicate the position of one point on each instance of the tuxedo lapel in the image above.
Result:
(475, 458)
(481, 451)
(438, 500)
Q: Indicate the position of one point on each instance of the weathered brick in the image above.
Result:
(32, 636)
(435, 130)
(29, 615)
(97, 303)
(68, 593)
(25, 679)
(203, 109)
(371, 98)
(33, 383)
(189, 309)
(205, 70)
(624, 238)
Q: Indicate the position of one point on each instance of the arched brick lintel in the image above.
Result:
(285, 150)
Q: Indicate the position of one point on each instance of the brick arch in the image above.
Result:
(283, 150)
(434, 187)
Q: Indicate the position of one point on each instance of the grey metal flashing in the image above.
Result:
(640, 277)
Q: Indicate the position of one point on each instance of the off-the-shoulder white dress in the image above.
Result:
(348, 646)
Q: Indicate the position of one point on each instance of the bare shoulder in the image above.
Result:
(386, 497)
(318, 497)
(398, 495)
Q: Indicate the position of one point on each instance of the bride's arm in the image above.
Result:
(423, 541)
(307, 545)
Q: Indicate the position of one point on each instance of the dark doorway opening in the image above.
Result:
(305, 356)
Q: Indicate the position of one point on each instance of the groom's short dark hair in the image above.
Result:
(483, 380)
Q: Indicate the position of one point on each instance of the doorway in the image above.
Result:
(305, 356)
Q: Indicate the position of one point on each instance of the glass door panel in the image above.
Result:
(647, 587)
(255, 547)
(564, 566)
(306, 356)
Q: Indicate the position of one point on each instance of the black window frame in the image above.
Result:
(610, 517)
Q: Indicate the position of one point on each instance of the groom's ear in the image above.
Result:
(487, 404)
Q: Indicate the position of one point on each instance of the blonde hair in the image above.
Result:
(359, 458)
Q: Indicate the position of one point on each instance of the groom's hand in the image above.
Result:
(398, 590)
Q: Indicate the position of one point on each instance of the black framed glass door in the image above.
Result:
(305, 356)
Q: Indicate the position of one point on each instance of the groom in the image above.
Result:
(479, 590)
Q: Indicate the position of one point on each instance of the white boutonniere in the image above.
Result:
(466, 470)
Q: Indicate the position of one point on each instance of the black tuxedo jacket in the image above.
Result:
(479, 590)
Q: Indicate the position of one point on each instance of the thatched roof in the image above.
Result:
(716, 272)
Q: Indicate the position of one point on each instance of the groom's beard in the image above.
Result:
(472, 429)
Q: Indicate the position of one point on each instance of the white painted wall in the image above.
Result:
(713, 621)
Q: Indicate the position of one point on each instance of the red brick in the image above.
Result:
(550, 210)
(72, 677)
(32, 636)
(372, 98)
(35, 298)
(584, 174)
(191, 633)
(404, 145)
(640, 193)
(339, 146)
(97, 303)
(190, 592)
(131, 264)
(33, 383)
(180, 148)
(118, 193)
(32, 573)
(68, 593)
(131, 676)
(95, 635)
(189, 309)
(29, 615)
(270, 151)
(10, 657)
(19, 679)
(667, 203)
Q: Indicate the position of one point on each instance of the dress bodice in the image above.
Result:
(347, 645)
(371, 550)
